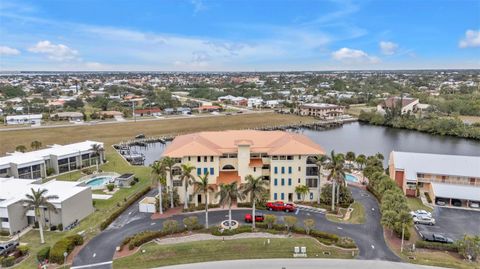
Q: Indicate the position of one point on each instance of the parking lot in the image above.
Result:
(453, 223)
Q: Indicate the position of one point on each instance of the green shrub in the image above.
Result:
(23, 250)
(43, 253)
(60, 227)
(190, 222)
(8, 261)
(436, 246)
(53, 228)
(110, 186)
(123, 207)
(170, 226)
(132, 183)
(192, 208)
(4, 233)
(66, 244)
(326, 238)
(227, 232)
(346, 242)
(50, 171)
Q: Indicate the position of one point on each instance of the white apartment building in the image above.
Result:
(73, 204)
(283, 159)
(57, 158)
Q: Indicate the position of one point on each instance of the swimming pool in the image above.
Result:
(351, 178)
(99, 182)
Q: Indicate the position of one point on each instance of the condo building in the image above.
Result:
(285, 160)
(53, 160)
(321, 110)
(446, 178)
(74, 203)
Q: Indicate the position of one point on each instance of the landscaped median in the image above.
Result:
(144, 252)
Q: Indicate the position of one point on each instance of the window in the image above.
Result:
(283, 157)
(199, 171)
(311, 196)
(299, 196)
(212, 171)
(228, 167)
(189, 158)
(312, 182)
(254, 169)
(282, 196)
(275, 196)
(199, 159)
(299, 180)
(289, 158)
(205, 170)
(211, 158)
(205, 158)
(289, 182)
(275, 182)
(299, 168)
(275, 169)
(289, 169)
(283, 169)
(283, 182)
(274, 157)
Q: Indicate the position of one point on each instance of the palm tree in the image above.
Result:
(337, 169)
(321, 161)
(350, 157)
(168, 164)
(187, 177)
(229, 193)
(97, 150)
(158, 174)
(36, 144)
(302, 190)
(36, 201)
(255, 187)
(202, 187)
(361, 160)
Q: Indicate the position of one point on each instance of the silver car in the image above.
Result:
(423, 220)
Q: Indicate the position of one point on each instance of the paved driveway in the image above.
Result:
(453, 222)
(99, 251)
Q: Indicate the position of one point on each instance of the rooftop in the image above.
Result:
(463, 192)
(218, 143)
(319, 105)
(439, 164)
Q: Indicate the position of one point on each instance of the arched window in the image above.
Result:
(228, 167)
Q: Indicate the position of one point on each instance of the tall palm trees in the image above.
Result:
(229, 193)
(321, 162)
(202, 186)
(158, 174)
(97, 150)
(337, 168)
(168, 163)
(255, 187)
(36, 201)
(187, 178)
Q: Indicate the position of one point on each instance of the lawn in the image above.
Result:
(357, 216)
(116, 132)
(415, 204)
(214, 250)
(356, 109)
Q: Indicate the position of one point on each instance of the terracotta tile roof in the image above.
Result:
(217, 143)
(227, 177)
(255, 162)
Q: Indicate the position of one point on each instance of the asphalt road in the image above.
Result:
(299, 264)
(99, 251)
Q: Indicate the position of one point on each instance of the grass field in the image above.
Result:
(214, 250)
(416, 203)
(470, 119)
(357, 216)
(114, 133)
(356, 109)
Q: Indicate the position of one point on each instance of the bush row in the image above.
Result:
(66, 244)
(43, 253)
(192, 207)
(123, 207)
(436, 246)
(7, 261)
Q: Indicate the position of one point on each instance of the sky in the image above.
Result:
(231, 35)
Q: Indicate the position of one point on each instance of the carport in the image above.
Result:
(469, 196)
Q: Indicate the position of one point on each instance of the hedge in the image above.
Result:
(66, 244)
(43, 253)
(8, 261)
(124, 207)
(23, 250)
(436, 246)
(192, 208)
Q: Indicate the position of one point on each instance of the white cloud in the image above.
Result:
(57, 52)
(198, 6)
(472, 39)
(4, 50)
(388, 48)
(348, 55)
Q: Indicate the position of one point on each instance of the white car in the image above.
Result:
(474, 205)
(423, 220)
(421, 213)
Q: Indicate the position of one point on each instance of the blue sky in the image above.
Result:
(204, 35)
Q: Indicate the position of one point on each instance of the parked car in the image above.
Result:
(456, 202)
(441, 202)
(258, 218)
(281, 206)
(434, 237)
(420, 212)
(8, 247)
(423, 220)
(474, 205)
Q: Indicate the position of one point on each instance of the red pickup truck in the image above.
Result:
(281, 206)
(258, 218)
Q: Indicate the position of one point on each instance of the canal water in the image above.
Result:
(365, 139)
